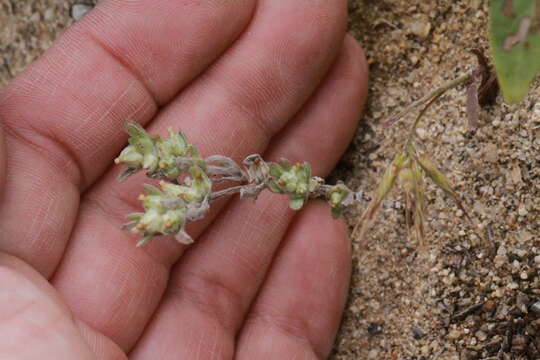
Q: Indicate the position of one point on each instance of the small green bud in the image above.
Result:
(186, 193)
(336, 197)
(173, 221)
(201, 183)
(150, 162)
(141, 152)
(140, 139)
(296, 203)
(291, 181)
(294, 180)
(152, 202)
(151, 222)
(178, 144)
(131, 157)
(275, 170)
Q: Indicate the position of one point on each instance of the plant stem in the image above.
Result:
(412, 131)
(321, 192)
(436, 93)
(226, 192)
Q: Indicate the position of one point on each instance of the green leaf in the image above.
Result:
(285, 164)
(152, 190)
(144, 240)
(135, 130)
(275, 170)
(515, 45)
(275, 188)
(336, 211)
(135, 216)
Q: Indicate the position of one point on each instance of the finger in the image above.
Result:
(214, 283)
(63, 118)
(299, 307)
(269, 84)
(2, 162)
(29, 309)
(102, 347)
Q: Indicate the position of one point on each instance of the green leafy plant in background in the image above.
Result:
(515, 45)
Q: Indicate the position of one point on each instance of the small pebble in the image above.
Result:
(519, 343)
(79, 10)
(513, 286)
(374, 329)
(521, 253)
(522, 211)
(35, 17)
(49, 14)
(454, 334)
(373, 354)
(417, 333)
(480, 335)
(420, 26)
(422, 134)
(469, 355)
(535, 308)
(522, 302)
(489, 306)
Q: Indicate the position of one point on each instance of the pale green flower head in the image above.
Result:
(131, 157)
(196, 188)
(152, 222)
(171, 148)
(337, 197)
(294, 180)
(164, 212)
(141, 152)
(155, 154)
(200, 182)
(175, 145)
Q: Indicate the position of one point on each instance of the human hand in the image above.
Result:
(278, 78)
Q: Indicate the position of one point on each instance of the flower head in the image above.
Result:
(155, 154)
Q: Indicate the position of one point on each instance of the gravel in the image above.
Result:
(475, 293)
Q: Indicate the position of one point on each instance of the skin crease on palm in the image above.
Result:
(274, 77)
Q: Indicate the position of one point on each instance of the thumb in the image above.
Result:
(2, 161)
(34, 321)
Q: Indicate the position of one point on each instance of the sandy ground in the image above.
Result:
(470, 297)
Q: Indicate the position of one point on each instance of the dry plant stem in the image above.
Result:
(435, 93)
(319, 193)
(412, 132)
(408, 168)
(216, 195)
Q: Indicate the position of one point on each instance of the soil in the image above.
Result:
(475, 292)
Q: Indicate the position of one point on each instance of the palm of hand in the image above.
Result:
(259, 282)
